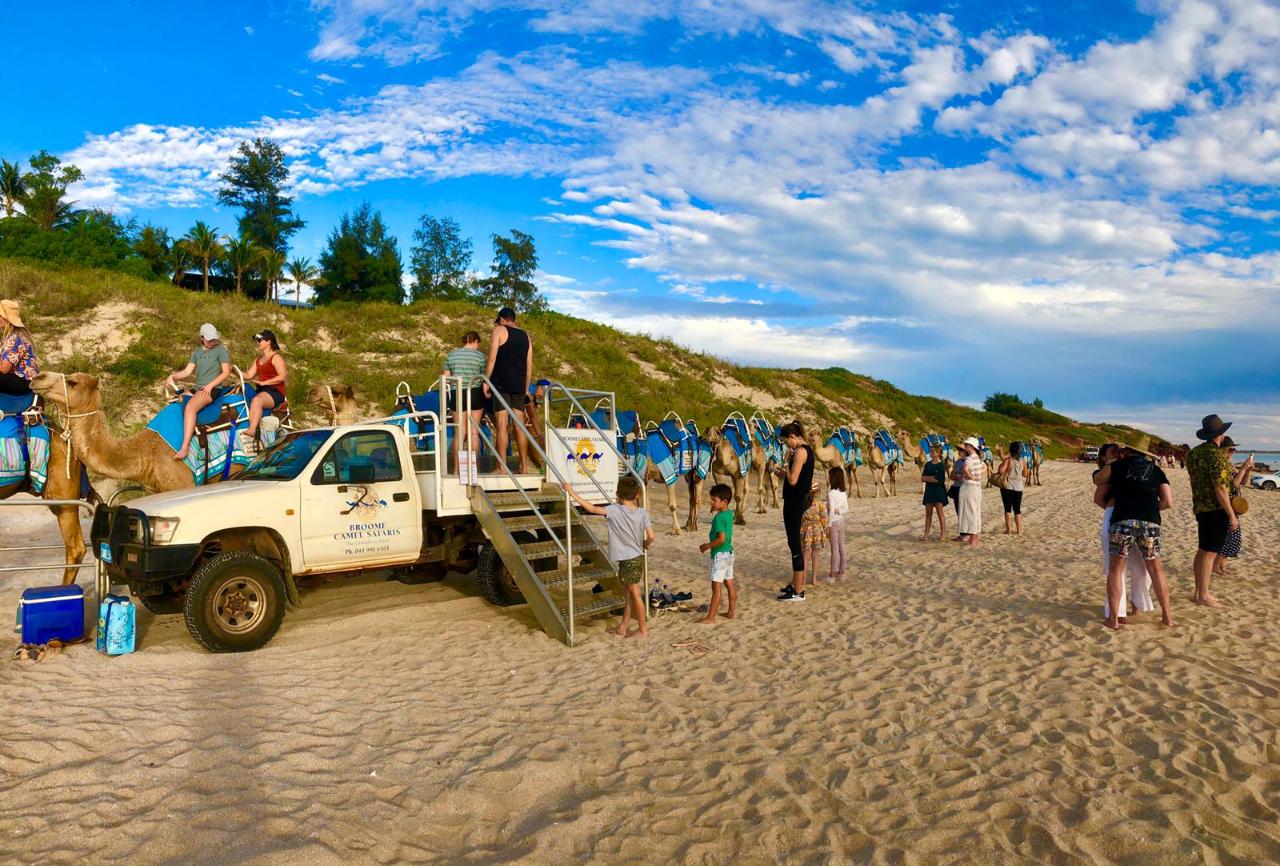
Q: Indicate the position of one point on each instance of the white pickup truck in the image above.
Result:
(365, 497)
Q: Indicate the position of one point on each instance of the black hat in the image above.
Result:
(505, 313)
(1211, 427)
(267, 334)
(1227, 442)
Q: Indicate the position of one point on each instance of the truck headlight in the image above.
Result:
(163, 528)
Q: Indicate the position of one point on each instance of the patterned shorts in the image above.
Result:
(631, 570)
(1127, 533)
(721, 567)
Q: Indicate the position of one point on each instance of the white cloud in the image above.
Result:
(248, 30)
(330, 79)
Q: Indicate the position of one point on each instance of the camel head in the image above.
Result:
(713, 435)
(318, 396)
(80, 394)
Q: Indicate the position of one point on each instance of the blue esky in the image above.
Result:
(1076, 201)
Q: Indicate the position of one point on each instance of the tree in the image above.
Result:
(241, 256)
(44, 191)
(440, 260)
(361, 262)
(152, 246)
(253, 182)
(271, 264)
(12, 185)
(178, 261)
(302, 271)
(88, 238)
(514, 263)
(202, 244)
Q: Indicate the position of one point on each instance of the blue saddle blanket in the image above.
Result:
(930, 439)
(224, 449)
(16, 404)
(846, 442)
(739, 438)
(631, 441)
(767, 435)
(24, 451)
(885, 442)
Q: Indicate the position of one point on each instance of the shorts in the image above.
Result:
(631, 571)
(1141, 533)
(721, 567)
(1012, 500)
(1211, 530)
(515, 401)
(277, 396)
(1231, 546)
(479, 403)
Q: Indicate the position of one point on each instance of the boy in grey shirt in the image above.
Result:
(629, 535)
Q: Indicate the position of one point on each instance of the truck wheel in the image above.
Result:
(235, 602)
(494, 580)
(163, 604)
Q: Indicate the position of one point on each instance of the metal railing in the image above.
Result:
(101, 581)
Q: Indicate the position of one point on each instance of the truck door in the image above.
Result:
(360, 505)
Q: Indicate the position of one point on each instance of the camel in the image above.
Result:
(911, 450)
(879, 471)
(337, 403)
(765, 483)
(726, 469)
(1034, 458)
(143, 457)
(651, 473)
(61, 484)
(829, 455)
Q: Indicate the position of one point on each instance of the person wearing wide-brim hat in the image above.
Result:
(18, 364)
(1209, 468)
(1140, 491)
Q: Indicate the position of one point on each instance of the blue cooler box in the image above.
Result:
(52, 612)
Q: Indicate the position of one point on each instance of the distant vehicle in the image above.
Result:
(1089, 455)
(1266, 480)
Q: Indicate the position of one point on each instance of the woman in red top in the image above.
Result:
(269, 375)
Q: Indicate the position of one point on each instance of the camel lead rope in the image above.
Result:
(333, 407)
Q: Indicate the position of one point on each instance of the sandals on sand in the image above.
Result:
(37, 652)
(696, 649)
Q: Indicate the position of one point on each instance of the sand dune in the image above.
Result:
(946, 706)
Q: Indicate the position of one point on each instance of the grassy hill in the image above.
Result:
(132, 332)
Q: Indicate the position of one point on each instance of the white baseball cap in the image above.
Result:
(208, 332)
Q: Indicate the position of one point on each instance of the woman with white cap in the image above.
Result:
(971, 493)
(211, 363)
(18, 365)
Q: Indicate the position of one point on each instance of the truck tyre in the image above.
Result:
(494, 580)
(163, 604)
(235, 602)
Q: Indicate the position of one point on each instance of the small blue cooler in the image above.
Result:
(52, 612)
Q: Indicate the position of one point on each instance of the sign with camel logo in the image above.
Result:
(581, 455)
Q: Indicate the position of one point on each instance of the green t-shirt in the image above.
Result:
(722, 522)
(209, 363)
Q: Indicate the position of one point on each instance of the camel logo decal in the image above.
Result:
(586, 457)
(366, 505)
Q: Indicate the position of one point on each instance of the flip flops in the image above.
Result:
(37, 652)
(696, 649)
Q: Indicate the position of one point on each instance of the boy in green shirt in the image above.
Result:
(721, 547)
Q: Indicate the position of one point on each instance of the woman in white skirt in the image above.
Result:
(1135, 589)
(975, 472)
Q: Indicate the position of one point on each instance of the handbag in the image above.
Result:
(1239, 504)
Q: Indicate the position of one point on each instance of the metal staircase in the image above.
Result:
(549, 551)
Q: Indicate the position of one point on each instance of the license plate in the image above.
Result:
(104, 551)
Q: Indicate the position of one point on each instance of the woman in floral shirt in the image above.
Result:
(17, 353)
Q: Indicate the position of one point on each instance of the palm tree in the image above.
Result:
(301, 271)
(271, 263)
(12, 185)
(202, 244)
(177, 260)
(241, 256)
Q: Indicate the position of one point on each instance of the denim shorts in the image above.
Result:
(721, 567)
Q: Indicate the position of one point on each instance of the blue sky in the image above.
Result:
(1075, 201)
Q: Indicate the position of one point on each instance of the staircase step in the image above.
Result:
(534, 522)
(598, 604)
(581, 574)
(519, 502)
(539, 549)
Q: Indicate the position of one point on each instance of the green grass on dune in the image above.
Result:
(374, 346)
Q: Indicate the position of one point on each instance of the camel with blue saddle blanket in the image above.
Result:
(673, 449)
(885, 458)
(147, 457)
(34, 459)
(736, 455)
(840, 449)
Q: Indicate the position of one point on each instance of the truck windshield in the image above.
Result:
(287, 457)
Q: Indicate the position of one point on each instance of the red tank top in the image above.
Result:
(265, 368)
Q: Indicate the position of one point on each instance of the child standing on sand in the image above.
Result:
(629, 536)
(837, 508)
(813, 533)
(720, 545)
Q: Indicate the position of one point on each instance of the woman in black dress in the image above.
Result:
(797, 478)
(934, 475)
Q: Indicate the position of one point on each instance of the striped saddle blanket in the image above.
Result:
(846, 442)
(24, 447)
(888, 447)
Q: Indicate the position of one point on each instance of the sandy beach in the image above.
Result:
(943, 706)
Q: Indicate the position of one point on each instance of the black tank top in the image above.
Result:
(511, 366)
(798, 492)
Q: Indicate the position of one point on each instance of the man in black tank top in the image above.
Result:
(510, 364)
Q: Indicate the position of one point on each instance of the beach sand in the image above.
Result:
(943, 706)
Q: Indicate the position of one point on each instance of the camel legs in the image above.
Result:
(740, 491)
(671, 505)
(695, 501)
(760, 484)
(852, 472)
(72, 538)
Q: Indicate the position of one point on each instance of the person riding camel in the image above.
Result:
(211, 363)
(18, 364)
(509, 366)
(269, 375)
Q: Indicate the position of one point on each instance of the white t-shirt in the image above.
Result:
(626, 531)
(837, 507)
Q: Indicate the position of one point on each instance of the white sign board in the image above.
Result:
(581, 456)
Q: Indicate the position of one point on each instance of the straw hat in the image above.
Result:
(1142, 445)
(9, 310)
